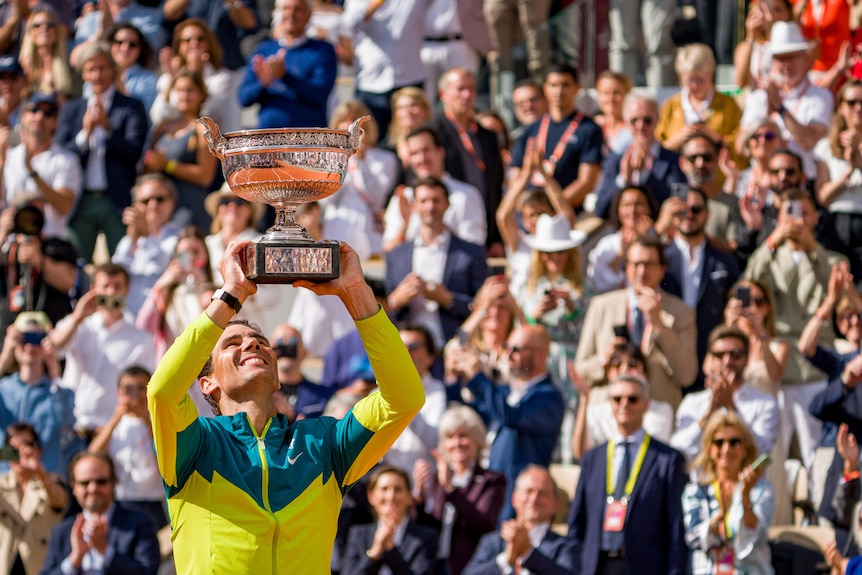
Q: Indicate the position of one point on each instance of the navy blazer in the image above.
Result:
(464, 273)
(526, 433)
(654, 532)
(720, 272)
(123, 148)
(665, 171)
(416, 555)
(131, 535)
(489, 150)
(555, 555)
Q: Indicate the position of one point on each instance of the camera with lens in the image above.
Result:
(115, 301)
(289, 349)
(28, 221)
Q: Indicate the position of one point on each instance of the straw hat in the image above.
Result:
(554, 234)
(787, 38)
(212, 201)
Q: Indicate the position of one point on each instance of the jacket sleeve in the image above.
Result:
(543, 413)
(562, 563)
(678, 553)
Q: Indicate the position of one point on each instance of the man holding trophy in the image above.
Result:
(246, 490)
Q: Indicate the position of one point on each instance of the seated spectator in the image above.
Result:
(290, 75)
(410, 109)
(594, 423)
(627, 512)
(180, 151)
(526, 542)
(297, 397)
(99, 340)
(121, 539)
(726, 390)
(419, 439)
(658, 322)
(151, 236)
(40, 168)
(644, 162)
(526, 409)
(44, 58)
(841, 149)
(803, 111)
(196, 48)
(135, 60)
(354, 214)
(93, 26)
(128, 439)
(569, 144)
(455, 495)
(729, 510)
(395, 541)
(632, 213)
(31, 395)
(32, 500)
(174, 300)
(611, 91)
(751, 59)
(699, 108)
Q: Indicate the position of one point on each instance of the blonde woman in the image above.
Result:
(43, 56)
(409, 110)
(611, 91)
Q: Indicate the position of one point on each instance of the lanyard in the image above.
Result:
(633, 474)
(542, 136)
(467, 142)
(727, 532)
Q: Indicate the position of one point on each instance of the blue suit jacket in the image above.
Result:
(131, 534)
(415, 555)
(123, 148)
(665, 171)
(654, 532)
(720, 272)
(555, 555)
(526, 433)
(464, 273)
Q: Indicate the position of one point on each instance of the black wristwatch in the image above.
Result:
(781, 109)
(228, 299)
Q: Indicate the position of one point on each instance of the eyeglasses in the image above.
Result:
(48, 112)
(765, 136)
(696, 210)
(631, 399)
(787, 171)
(46, 24)
(99, 481)
(516, 348)
(133, 44)
(735, 353)
(646, 121)
(853, 103)
(157, 199)
(706, 157)
(232, 202)
(733, 442)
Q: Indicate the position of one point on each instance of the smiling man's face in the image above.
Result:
(243, 364)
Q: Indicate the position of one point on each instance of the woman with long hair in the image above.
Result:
(133, 56)
(44, 57)
(409, 110)
(611, 91)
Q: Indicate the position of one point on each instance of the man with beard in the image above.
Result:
(697, 272)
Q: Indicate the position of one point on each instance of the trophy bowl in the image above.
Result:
(285, 168)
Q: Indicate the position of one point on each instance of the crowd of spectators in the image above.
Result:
(658, 291)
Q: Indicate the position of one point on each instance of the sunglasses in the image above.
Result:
(516, 348)
(696, 210)
(631, 399)
(707, 157)
(646, 121)
(232, 202)
(787, 171)
(853, 103)
(130, 43)
(735, 353)
(46, 111)
(133, 388)
(47, 24)
(100, 481)
(733, 442)
(157, 199)
(765, 136)
(759, 301)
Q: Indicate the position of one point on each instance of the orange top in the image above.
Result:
(830, 25)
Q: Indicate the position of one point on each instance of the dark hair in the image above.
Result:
(430, 182)
(727, 332)
(134, 371)
(527, 83)
(20, 427)
(100, 455)
(563, 68)
(378, 287)
(111, 269)
(615, 204)
(214, 46)
(716, 146)
(538, 199)
(207, 369)
(425, 129)
(650, 242)
(424, 332)
(383, 470)
(699, 192)
(145, 56)
(630, 350)
(797, 194)
(787, 152)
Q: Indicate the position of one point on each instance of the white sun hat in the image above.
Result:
(787, 38)
(554, 234)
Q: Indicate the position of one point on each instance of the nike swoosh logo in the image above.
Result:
(291, 461)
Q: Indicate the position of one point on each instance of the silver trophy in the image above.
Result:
(286, 168)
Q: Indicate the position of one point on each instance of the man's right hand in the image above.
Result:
(852, 374)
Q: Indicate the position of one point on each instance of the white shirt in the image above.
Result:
(605, 278)
(320, 319)
(692, 270)
(429, 264)
(536, 535)
(95, 176)
(759, 410)
(145, 260)
(131, 448)
(57, 167)
(442, 19)
(465, 215)
(420, 437)
(95, 356)
(849, 199)
(387, 45)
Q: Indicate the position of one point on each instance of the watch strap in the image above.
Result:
(227, 298)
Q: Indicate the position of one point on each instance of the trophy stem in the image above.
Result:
(285, 227)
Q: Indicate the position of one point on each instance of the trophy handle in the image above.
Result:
(213, 136)
(356, 133)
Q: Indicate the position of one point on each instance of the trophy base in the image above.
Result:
(285, 261)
